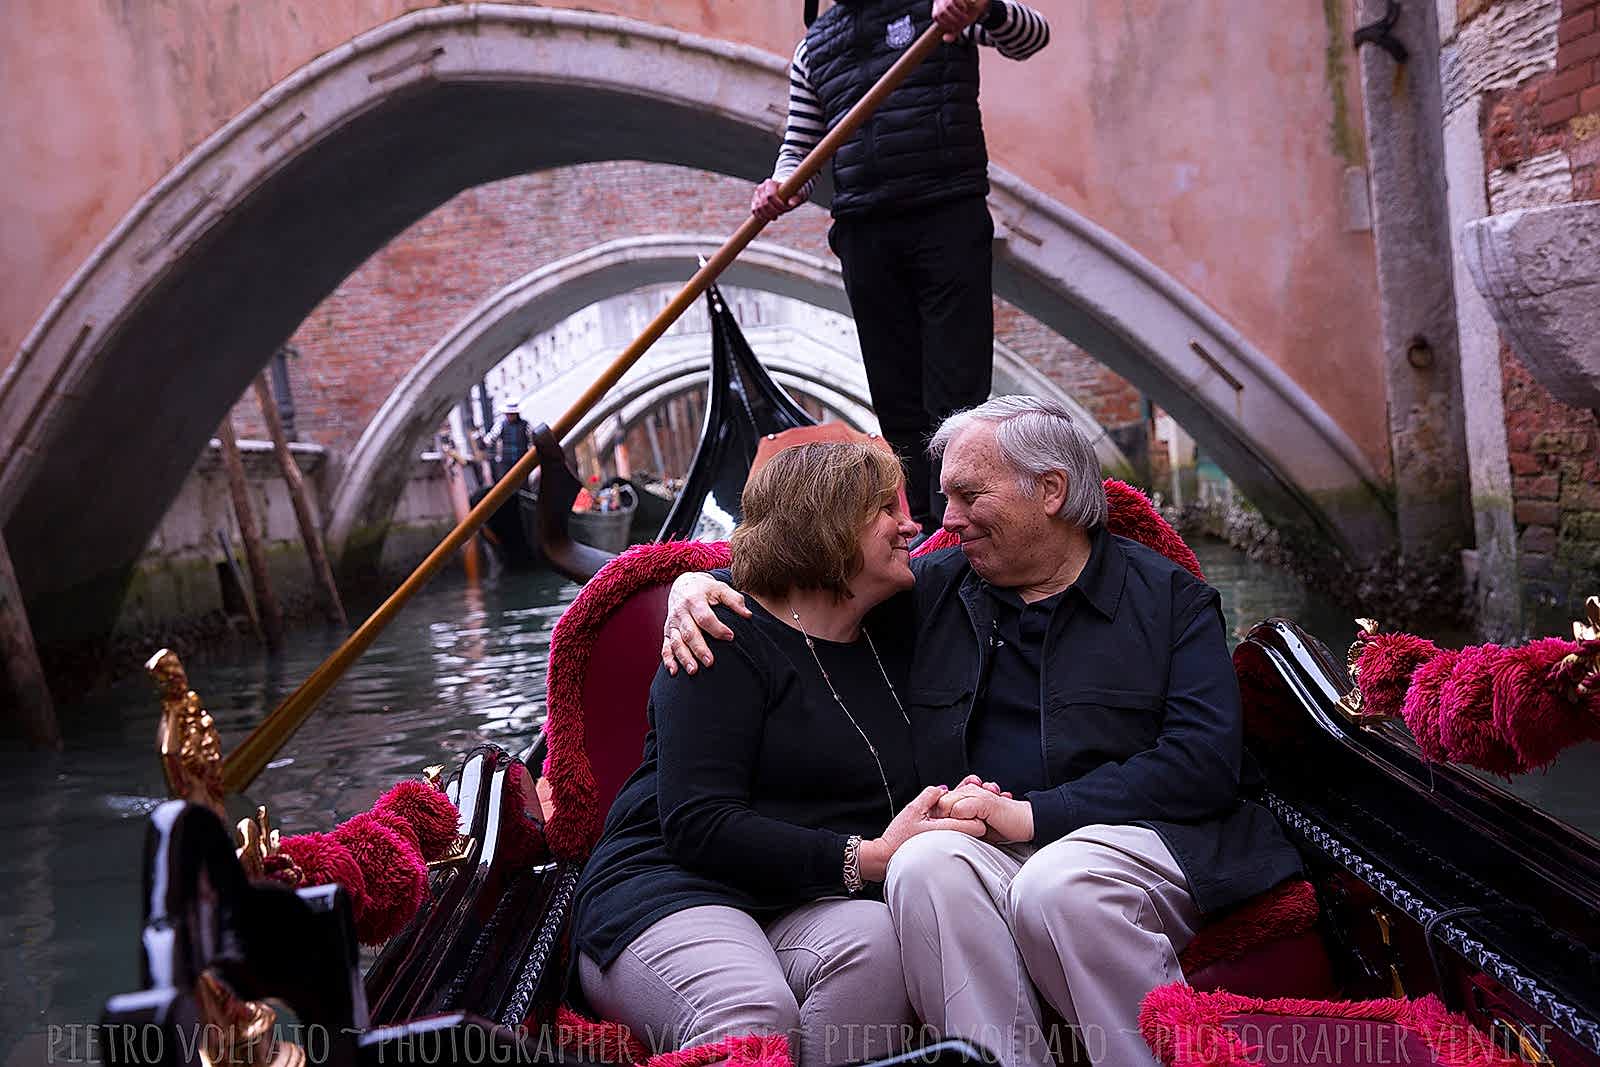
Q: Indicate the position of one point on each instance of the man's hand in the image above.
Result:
(767, 205)
(690, 618)
(917, 817)
(1008, 820)
(954, 16)
(993, 787)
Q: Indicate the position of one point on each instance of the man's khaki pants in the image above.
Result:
(1091, 923)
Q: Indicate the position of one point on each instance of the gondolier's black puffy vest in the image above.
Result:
(925, 144)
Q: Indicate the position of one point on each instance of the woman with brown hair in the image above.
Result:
(735, 887)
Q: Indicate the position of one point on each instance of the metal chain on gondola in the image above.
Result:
(1489, 901)
(1451, 932)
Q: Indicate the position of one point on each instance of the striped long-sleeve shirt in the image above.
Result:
(1013, 29)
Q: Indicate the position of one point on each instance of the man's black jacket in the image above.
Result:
(1140, 714)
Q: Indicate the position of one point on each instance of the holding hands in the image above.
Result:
(918, 817)
(1005, 819)
(975, 807)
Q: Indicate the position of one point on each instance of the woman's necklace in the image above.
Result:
(812, 645)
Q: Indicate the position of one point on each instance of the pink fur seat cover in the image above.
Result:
(603, 656)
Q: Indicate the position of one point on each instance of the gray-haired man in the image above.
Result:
(1089, 676)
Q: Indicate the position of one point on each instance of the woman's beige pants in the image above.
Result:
(827, 974)
(1091, 923)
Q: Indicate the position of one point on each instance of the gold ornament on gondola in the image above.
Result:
(235, 1031)
(464, 845)
(1586, 667)
(191, 750)
(259, 853)
(1351, 701)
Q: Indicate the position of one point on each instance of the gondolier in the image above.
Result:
(508, 439)
(912, 229)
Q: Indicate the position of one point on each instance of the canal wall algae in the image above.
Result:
(182, 592)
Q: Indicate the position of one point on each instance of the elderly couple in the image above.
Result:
(791, 858)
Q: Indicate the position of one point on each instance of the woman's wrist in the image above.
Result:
(874, 859)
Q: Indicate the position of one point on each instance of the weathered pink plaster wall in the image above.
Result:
(1204, 133)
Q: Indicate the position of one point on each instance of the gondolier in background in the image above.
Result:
(912, 227)
(507, 440)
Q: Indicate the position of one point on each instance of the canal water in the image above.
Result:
(460, 665)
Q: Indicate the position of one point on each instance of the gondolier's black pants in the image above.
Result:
(921, 290)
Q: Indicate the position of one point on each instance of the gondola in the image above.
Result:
(743, 405)
(1441, 920)
(511, 531)
(1424, 880)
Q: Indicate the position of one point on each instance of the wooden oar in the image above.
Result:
(253, 754)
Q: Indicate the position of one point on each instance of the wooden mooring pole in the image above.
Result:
(255, 556)
(36, 712)
(332, 606)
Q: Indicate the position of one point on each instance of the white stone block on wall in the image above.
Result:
(1503, 47)
(1535, 182)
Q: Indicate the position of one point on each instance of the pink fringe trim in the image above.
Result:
(614, 1043)
(749, 1050)
(1185, 1028)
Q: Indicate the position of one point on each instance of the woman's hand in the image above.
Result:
(917, 817)
(1007, 821)
(690, 619)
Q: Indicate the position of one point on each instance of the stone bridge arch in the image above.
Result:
(374, 476)
(118, 386)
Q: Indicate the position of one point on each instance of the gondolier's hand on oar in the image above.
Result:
(690, 620)
(767, 205)
(954, 16)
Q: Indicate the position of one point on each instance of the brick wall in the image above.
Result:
(1555, 474)
(359, 342)
(1542, 146)
(1554, 114)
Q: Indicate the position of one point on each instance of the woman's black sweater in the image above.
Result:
(752, 779)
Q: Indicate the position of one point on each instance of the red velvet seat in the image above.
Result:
(1266, 947)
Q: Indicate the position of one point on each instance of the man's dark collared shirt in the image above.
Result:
(1137, 705)
(1005, 739)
